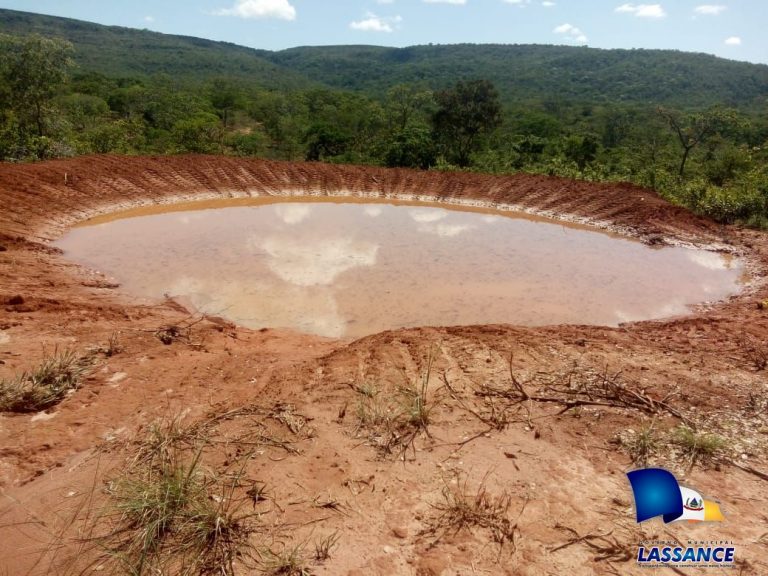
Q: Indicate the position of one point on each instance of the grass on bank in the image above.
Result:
(394, 420)
(465, 509)
(169, 515)
(697, 445)
(44, 386)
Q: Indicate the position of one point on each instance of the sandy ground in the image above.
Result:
(542, 418)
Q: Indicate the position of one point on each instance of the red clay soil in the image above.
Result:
(546, 418)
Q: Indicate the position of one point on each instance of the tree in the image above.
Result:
(225, 96)
(411, 147)
(466, 113)
(581, 149)
(200, 133)
(128, 101)
(693, 129)
(84, 111)
(324, 141)
(407, 104)
(32, 69)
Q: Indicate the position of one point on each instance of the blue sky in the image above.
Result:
(733, 29)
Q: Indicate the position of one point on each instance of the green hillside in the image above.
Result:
(522, 73)
(536, 72)
(127, 52)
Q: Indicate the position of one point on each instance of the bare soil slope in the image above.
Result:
(510, 460)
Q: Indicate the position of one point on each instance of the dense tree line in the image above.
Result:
(712, 160)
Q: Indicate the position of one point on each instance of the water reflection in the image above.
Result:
(316, 262)
(348, 269)
(425, 215)
(293, 213)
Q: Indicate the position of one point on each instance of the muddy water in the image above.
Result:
(350, 269)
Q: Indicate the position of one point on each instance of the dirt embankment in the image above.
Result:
(550, 417)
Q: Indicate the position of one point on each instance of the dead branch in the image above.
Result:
(749, 469)
(605, 546)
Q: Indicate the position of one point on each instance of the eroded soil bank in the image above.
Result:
(548, 418)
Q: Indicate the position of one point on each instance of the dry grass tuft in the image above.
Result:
(288, 562)
(463, 509)
(47, 385)
(755, 351)
(324, 546)
(640, 445)
(394, 421)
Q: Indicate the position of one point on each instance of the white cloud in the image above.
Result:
(385, 1)
(427, 214)
(455, 2)
(149, 18)
(318, 263)
(524, 3)
(710, 9)
(293, 213)
(733, 41)
(445, 230)
(373, 23)
(281, 9)
(643, 10)
(571, 33)
(260, 301)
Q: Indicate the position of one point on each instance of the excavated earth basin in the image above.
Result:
(341, 269)
(503, 410)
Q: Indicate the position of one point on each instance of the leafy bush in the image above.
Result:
(736, 203)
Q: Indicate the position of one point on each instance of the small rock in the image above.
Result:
(400, 532)
(388, 549)
(43, 416)
(117, 377)
(16, 300)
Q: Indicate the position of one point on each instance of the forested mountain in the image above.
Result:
(116, 51)
(536, 72)
(521, 73)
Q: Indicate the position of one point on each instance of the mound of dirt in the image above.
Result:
(439, 450)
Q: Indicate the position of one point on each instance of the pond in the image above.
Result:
(348, 268)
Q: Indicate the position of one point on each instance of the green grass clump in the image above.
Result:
(415, 404)
(171, 517)
(46, 385)
(697, 445)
